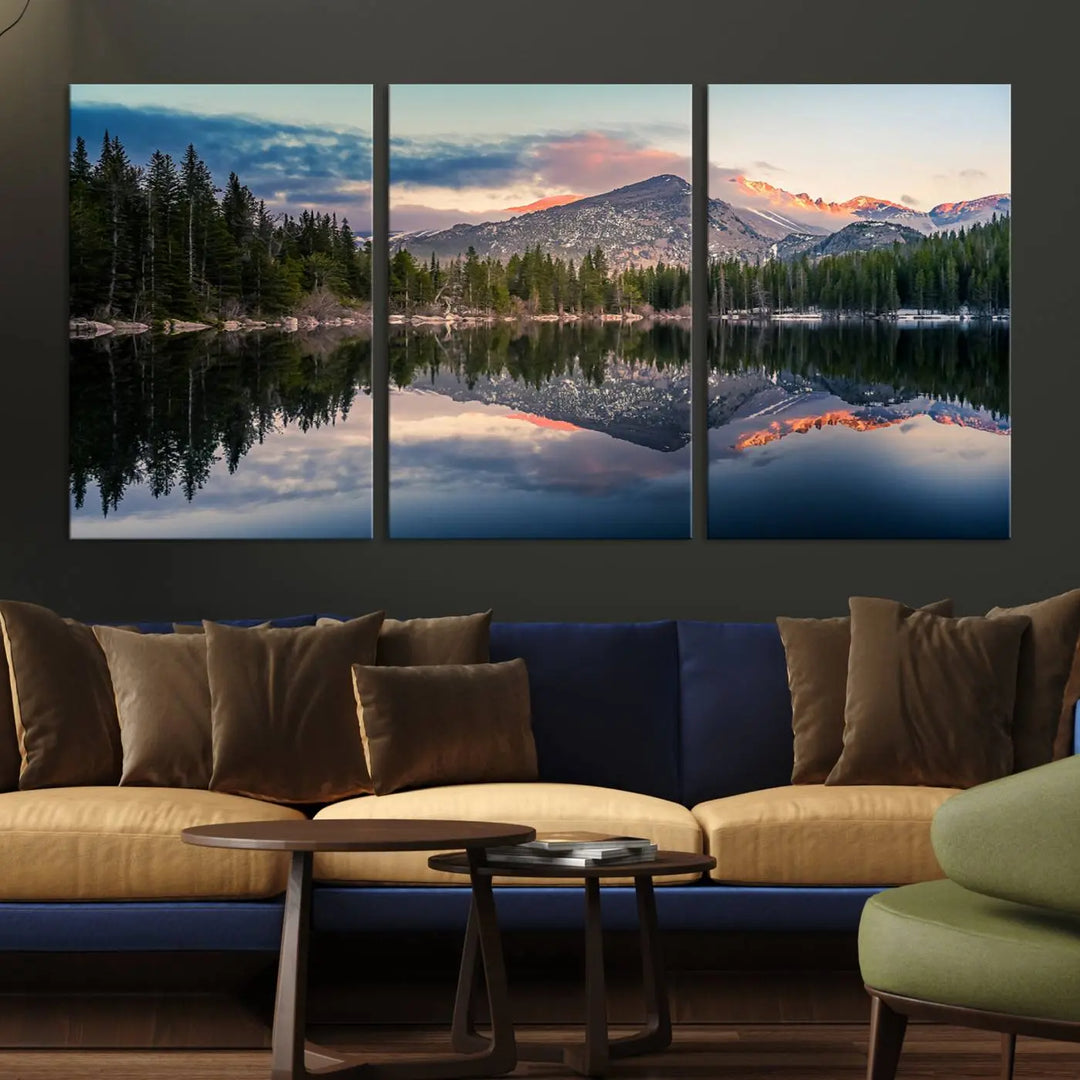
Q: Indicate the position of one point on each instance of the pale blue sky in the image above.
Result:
(932, 143)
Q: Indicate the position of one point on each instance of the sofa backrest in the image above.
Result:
(605, 701)
(735, 709)
(686, 711)
(286, 621)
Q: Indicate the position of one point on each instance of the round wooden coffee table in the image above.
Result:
(593, 1056)
(291, 1058)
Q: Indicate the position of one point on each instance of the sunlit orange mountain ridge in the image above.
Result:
(776, 212)
(848, 418)
(780, 197)
(543, 421)
(543, 204)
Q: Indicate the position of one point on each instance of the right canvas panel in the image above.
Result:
(859, 281)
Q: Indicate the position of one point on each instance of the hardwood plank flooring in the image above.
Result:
(740, 1052)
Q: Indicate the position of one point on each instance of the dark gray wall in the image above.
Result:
(62, 41)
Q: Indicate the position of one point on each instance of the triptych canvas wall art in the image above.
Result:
(540, 319)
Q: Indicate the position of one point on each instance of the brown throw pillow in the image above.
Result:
(282, 710)
(9, 739)
(62, 698)
(197, 628)
(1046, 658)
(817, 663)
(163, 703)
(453, 639)
(929, 699)
(445, 724)
(1063, 741)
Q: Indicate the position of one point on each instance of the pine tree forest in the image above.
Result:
(965, 269)
(536, 283)
(164, 241)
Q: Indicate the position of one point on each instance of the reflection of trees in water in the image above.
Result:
(951, 362)
(535, 353)
(162, 411)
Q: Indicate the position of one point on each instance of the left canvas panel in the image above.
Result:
(220, 312)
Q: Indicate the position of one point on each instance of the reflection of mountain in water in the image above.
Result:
(762, 408)
(162, 411)
(633, 383)
(636, 404)
(630, 382)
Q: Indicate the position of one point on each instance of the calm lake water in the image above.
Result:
(859, 430)
(540, 430)
(221, 435)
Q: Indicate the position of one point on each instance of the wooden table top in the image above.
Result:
(666, 862)
(369, 834)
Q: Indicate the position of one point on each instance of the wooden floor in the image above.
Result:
(749, 1052)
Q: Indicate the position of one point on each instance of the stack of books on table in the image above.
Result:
(574, 849)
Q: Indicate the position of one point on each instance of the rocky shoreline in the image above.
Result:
(454, 319)
(85, 329)
(288, 324)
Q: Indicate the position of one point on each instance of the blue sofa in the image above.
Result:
(681, 711)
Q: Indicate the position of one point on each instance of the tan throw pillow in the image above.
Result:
(1046, 658)
(445, 724)
(62, 699)
(452, 639)
(282, 710)
(9, 739)
(929, 699)
(816, 651)
(163, 703)
(197, 628)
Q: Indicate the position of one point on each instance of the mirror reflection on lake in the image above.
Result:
(215, 435)
(859, 429)
(540, 430)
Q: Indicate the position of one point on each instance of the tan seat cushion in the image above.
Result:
(123, 843)
(546, 807)
(810, 834)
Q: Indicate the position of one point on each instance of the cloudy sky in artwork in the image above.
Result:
(298, 147)
(914, 144)
(473, 152)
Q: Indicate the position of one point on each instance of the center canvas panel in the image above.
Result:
(859, 311)
(540, 311)
(220, 369)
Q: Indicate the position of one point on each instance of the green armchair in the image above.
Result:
(997, 944)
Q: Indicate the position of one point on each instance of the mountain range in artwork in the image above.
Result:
(648, 222)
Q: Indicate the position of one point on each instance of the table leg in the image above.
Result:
(463, 1034)
(290, 1012)
(501, 1055)
(292, 1059)
(656, 1034)
(591, 1058)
